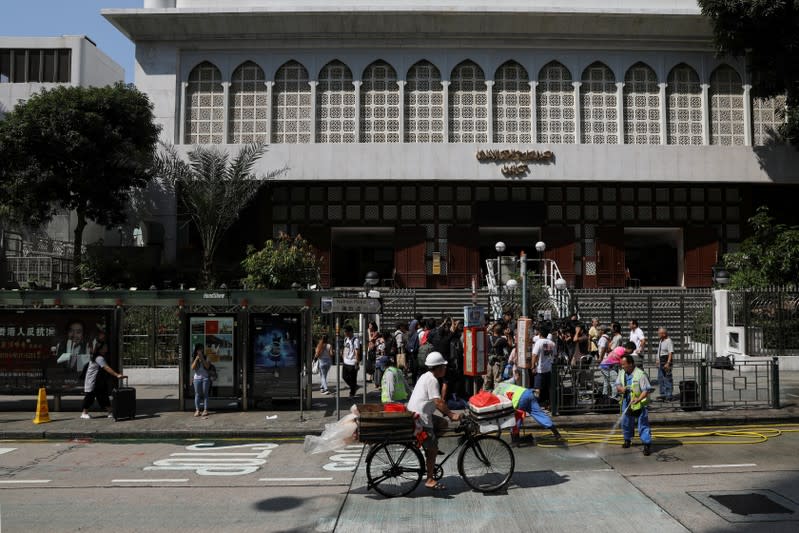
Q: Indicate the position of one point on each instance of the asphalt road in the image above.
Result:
(274, 486)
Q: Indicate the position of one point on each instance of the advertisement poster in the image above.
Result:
(52, 347)
(276, 355)
(215, 335)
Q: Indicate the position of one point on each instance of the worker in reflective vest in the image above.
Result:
(393, 386)
(633, 386)
(524, 400)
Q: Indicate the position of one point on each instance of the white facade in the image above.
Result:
(374, 93)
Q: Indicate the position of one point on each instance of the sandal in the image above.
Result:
(437, 486)
(205, 413)
(197, 413)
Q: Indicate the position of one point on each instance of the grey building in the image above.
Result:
(416, 134)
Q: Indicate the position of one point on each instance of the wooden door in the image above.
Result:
(610, 264)
(463, 257)
(701, 253)
(409, 257)
(319, 238)
(561, 244)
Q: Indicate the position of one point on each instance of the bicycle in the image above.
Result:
(485, 462)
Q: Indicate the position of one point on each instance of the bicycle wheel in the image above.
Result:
(394, 468)
(486, 463)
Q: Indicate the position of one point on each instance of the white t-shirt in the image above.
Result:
(351, 346)
(545, 350)
(636, 336)
(424, 392)
(92, 371)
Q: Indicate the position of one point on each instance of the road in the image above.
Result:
(274, 486)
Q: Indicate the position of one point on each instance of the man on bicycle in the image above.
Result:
(425, 400)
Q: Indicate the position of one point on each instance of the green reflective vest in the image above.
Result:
(635, 391)
(502, 389)
(400, 393)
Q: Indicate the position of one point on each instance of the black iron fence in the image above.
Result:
(770, 318)
(696, 385)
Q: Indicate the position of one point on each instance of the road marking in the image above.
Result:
(296, 479)
(792, 395)
(724, 466)
(6, 450)
(158, 480)
(22, 481)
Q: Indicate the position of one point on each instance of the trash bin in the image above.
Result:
(689, 395)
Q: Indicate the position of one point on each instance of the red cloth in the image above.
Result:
(483, 399)
(393, 408)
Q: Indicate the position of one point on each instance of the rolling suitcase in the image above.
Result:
(123, 400)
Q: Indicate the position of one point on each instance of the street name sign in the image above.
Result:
(350, 305)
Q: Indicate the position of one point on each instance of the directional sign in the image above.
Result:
(350, 305)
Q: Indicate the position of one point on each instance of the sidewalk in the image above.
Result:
(159, 416)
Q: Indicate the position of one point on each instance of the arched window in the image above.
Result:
(726, 107)
(248, 104)
(380, 104)
(598, 105)
(512, 104)
(684, 100)
(291, 104)
(335, 105)
(468, 101)
(424, 104)
(555, 105)
(205, 106)
(641, 106)
(767, 116)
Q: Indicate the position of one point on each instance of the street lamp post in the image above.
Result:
(499, 247)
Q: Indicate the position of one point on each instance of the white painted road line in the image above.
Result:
(6, 450)
(296, 479)
(22, 481)
(156, 480)
(725, 466)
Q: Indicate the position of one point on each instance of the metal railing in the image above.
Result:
(770, 318)
(549, 278)
(752, 384)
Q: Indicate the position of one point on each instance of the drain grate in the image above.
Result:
(749, 504)
(753, 505)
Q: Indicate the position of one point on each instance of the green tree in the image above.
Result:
(766, 33)
(213, 189)
(280, 263)
(77, 149)
(770, 256)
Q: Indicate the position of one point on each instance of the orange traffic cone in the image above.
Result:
(42, 413)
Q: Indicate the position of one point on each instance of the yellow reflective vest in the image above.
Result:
(400, 394)
(635, 391)
(502, 389)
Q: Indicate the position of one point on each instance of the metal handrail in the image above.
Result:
(559, 298)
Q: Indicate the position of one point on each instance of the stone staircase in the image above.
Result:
(404, 304)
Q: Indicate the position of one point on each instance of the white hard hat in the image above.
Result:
(434, 359)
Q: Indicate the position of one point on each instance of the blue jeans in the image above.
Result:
(628, 421)
(201, 388)
(529, 405)
(608, 388)
(324, 368)
(665, 381)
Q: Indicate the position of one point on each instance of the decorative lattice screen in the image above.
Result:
(248, 104)
(380, 104)
(335, 105)
(598, 105)
(555, 105)
(767, 116)
(641, 106)
(512, 110)
(205, 106)
(684, 100)
(424, 104)
(468, 104)
(726, 107)
(291, 105)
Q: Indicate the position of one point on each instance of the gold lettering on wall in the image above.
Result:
(516, 160)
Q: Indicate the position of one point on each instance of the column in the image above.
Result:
(747, 115)
(620, 110)
(533, 112)
(225, 112)
(269, 105)
(664, 132)
(401, 85)
(357, 85)
(313, 85)
(445, 99)
(705, 114)
(490, 111)
(182, 126)
(578, 122)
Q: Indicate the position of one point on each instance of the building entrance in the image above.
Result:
(357, 251)
(653, 256)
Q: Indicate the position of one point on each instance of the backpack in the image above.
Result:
(424, 350)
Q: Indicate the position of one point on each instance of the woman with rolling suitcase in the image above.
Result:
(94, 386)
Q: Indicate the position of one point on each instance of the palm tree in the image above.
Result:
(213, 189)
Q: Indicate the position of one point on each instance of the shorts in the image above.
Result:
(439, 425)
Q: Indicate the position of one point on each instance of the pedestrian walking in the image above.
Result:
(351, 360)
(95, 385)
(323, 355)
(638, 338)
